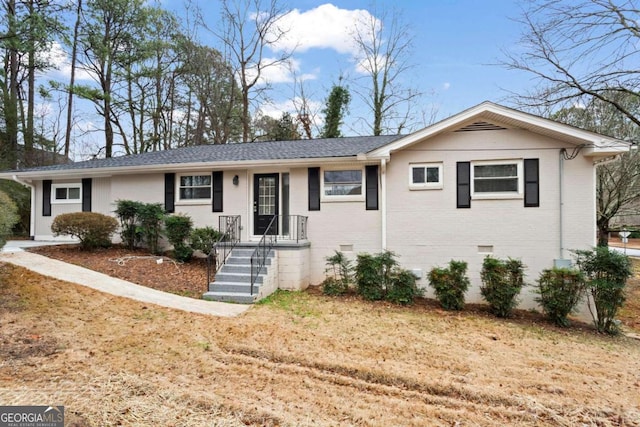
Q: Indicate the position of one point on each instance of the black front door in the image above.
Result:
(265, 202)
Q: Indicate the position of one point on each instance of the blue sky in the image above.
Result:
(457, 44)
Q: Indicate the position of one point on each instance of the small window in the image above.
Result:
(195, 187)
(501, 179)
(66, 193)
(343, 182)
(425, 176)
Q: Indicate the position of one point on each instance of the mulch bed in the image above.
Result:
(136, 266)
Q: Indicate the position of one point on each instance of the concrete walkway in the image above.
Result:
(103, 283)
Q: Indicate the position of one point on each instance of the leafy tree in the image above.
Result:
(336, 107)
(111, 30)
(211, 81)
(286, 129)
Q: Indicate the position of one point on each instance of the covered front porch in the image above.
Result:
(247, 271)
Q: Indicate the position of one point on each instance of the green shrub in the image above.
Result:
(374, 273)
(606, 273)
(332, 286)
(150, 218)
(560, 290)
(203, 239)
(502, 281)
(21, 197)
(402, 288)
(370, 278)
(178, 229)
(127, 212)
(93, 229)
(342, 270)
(8, 217)
(450, 284)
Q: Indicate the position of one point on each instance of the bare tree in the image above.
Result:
(579, 51)
(618, 181)
(248, 28)
(385, 44)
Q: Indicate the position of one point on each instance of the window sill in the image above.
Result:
(199, 202)
(338, 199)
(425, 187)
(497, 196)
(66, 202)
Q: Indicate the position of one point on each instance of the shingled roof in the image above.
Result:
(254, 151)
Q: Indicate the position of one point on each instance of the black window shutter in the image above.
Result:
(86, 194)
(531, 183)
(371, 185)
(46, 197)
(216, 187)
(314, 189)
(170, 192)
(463, 179)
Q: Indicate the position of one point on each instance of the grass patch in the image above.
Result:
(296, 302)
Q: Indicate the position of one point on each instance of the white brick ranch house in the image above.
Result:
(489, 180)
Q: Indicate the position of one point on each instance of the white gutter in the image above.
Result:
(561, 201)
(383, 201)
(178, 167)
(32, 216)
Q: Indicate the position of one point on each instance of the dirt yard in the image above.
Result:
(302, 359)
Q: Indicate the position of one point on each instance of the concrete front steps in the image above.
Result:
(233, 282)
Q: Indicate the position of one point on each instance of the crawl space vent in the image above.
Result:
(477, 126)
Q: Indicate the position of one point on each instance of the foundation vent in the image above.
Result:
(478, 126)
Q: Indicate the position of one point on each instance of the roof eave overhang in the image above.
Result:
(99, 172)
(596, 145)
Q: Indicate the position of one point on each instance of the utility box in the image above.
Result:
(562, 263)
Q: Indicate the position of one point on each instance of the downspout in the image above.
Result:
(383, 201)
(561, 197)
(32, 217)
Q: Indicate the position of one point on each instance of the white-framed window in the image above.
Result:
(66, 193)
(343, 184)
(425, 176)
(194, 187)
(496, 179)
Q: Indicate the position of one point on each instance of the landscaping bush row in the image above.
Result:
(600, 276)
(141, 224)
(377, 277)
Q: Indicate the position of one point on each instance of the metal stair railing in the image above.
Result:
(224, 245)
(259, 256)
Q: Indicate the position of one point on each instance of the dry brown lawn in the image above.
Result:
(302, 359)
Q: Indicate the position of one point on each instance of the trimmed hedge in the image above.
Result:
(560, 290)
(93, 229)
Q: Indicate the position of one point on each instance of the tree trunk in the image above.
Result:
(603, 232)
(72, 81)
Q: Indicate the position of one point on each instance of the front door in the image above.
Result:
(265, 202)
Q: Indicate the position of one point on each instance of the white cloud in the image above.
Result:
(446, 86)
(58, 58)
(275, 109)
(282, 72)
(325, 27)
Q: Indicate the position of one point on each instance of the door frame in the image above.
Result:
(256, 200)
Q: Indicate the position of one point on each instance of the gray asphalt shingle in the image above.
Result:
(255, 151)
